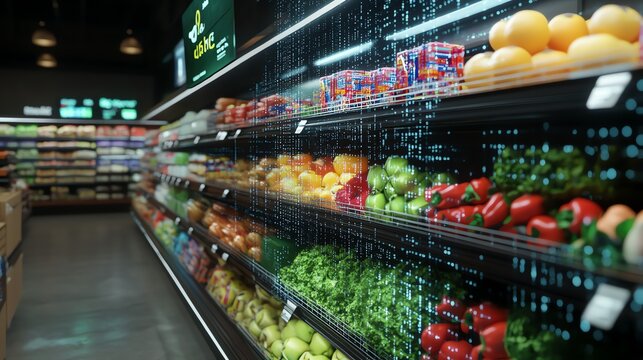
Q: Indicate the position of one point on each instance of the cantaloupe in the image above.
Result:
(529, 30)
(621, 21)
(564, 29)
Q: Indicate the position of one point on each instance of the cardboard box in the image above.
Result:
(11, 215)
(14, 288)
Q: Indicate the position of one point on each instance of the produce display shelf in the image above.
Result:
(79, 202)
(333, 329)
(53, 159)
(79, 184)
(45, 138)
(88, 167)
(524, 104)
(47, 121)
(118, 157)
(502, 257)
(226, 338)
(69, 148)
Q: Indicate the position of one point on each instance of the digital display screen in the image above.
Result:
(208, 35)
(104, 108)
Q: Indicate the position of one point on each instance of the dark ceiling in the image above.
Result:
(89, 32)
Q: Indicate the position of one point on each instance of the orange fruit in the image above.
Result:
(620, 21)
(564, 29)
(529, 30)
(511, 60)
(497, 37)
(478, 68)
(601, 49)
(546, 59)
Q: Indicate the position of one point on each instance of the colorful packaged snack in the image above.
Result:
(383, 80)
(430, 64)
(352, 86)
(327, 86)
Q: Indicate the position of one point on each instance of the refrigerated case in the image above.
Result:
(397, 207)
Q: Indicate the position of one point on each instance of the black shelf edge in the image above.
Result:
(499, 262)
(350, 343)
(50, 121)
(506, 105)
(80, 184)
(79, 202)
(225, 337)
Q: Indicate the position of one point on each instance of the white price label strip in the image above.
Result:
(608, 90)
(236, 134)
(605, 306)
(301, 126)
(214, 248)
(288, 311)
(221, 135)
(197, 139)
(225, 193)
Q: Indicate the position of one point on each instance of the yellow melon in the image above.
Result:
(620, 21)
(478, 68)
(529, 30)
(497, 37)
(564, 29)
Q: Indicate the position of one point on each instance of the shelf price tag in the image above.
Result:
(301, 126)
(221, 135)
(186, 184)
(201, 187)
(608, 90)
(236, 134)
(190, 230)
(605, 306)
(214, 248)
(225, 256)
(288, 311)
(196, 140)
(225, 193)
(177, 220)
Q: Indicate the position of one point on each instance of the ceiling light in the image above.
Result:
(453, 16)
(344, 54)
(47, 61)
(43, 37)
(130, 45)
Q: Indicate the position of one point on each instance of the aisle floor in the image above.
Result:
(93, 289)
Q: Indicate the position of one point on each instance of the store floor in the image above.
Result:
(93, 289)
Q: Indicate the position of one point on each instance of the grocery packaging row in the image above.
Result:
(71, 131)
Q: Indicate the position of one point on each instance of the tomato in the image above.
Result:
(435, 335)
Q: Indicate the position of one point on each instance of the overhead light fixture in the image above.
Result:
(344, 54)
(294, 72)
(130, 45)
(453, 16)
(47, 60)
(43, 37)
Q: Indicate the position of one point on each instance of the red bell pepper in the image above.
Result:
(545, 227)
(495, 211)
(493, 341)
(477, 192)
(455, 350)
(429, 193)
(450, 309)
(354, 193)
(466, 215)
(449, 197)
(577, 212)
(476, 353)
(480, 317)
(435, 335)
(526, 207)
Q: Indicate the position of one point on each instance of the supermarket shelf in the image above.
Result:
(70, 148)
(83, 167)
(225, 337)
(43, 121)
(79, 184)
(503, 257)
(524, 104)
(79, 202)
(118, 157)
(52, 159)
(44, 138)
(333, 329)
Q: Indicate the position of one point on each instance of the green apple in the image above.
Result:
(397, 206)
(290, 330)
(320, 346)
(304, 331)
(266, 317)
(276, 348)
(293, 348)
(443, 178)
(416, 206)
(405, 180)
(389, 191)
(309, 356)
(269, 335)
(254, 329)
(252, 308)
(375, 203)
(377, 178)
(241, 301)
(338, 355)
(239, 317)
(395, 164)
